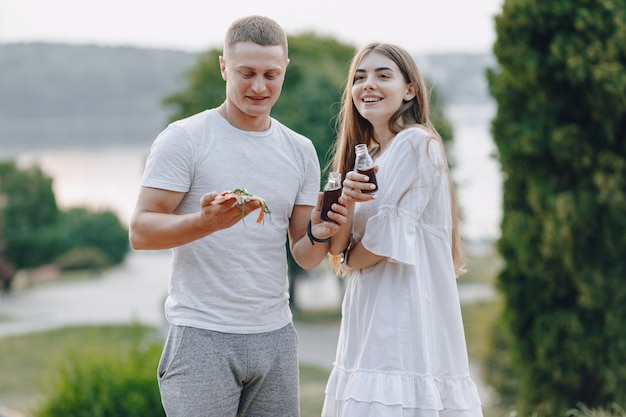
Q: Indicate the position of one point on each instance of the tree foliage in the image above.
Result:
(101, 230)
(34, 232)
(30, 216)
(560, 130)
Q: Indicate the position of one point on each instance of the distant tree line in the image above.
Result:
(58, 80)
(62, 94)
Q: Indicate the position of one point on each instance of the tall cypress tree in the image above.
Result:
(560, 130)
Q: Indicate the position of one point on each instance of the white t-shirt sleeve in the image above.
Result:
(169, 165)
(311, 178)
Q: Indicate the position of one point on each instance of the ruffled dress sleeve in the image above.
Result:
(412, 169)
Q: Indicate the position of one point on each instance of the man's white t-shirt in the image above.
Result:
(234, 280)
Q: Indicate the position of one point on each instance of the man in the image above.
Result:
(232, 349)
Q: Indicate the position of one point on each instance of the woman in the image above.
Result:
(401, 349)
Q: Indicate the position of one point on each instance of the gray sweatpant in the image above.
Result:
(203, 373)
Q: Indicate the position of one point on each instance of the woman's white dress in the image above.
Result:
(401, 350)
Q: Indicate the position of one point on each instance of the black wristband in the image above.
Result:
(312, 238)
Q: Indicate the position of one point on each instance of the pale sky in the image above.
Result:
(421, 26)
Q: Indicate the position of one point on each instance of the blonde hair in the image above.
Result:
(258, 29)
(354, 128)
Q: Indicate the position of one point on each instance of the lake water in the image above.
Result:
(476, 171)
(107, 177)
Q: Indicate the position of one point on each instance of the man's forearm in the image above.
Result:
(151, 231)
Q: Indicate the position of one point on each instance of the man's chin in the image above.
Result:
(258, 110)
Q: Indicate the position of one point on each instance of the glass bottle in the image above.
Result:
(332, 191)
(364, 164)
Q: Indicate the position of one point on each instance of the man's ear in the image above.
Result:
(223, 68)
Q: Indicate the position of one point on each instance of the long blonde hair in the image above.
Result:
(354, 129)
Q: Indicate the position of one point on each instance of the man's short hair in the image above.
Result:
(258, 29)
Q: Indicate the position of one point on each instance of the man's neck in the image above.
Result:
(244, 121)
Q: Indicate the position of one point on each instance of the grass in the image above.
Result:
(319, 317)
(478, 320)
(479, 317)
(26, 359)
(312, 383)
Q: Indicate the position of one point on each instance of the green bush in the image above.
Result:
(102, 230)
(583, 411)
(96, 383)
(34, 232)
(498, 371)
(29, 216)
(85, 258)
(559, 131)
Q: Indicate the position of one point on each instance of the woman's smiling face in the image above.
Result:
(379, 88)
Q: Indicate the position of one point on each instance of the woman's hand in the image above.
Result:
(338, 217)
(356, 188)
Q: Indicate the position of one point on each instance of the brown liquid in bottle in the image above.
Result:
(330, 197)
(372, 179)
(364, 164)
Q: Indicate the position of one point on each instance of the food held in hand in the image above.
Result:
(241, 197)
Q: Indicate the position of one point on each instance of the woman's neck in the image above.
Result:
(384, 139)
